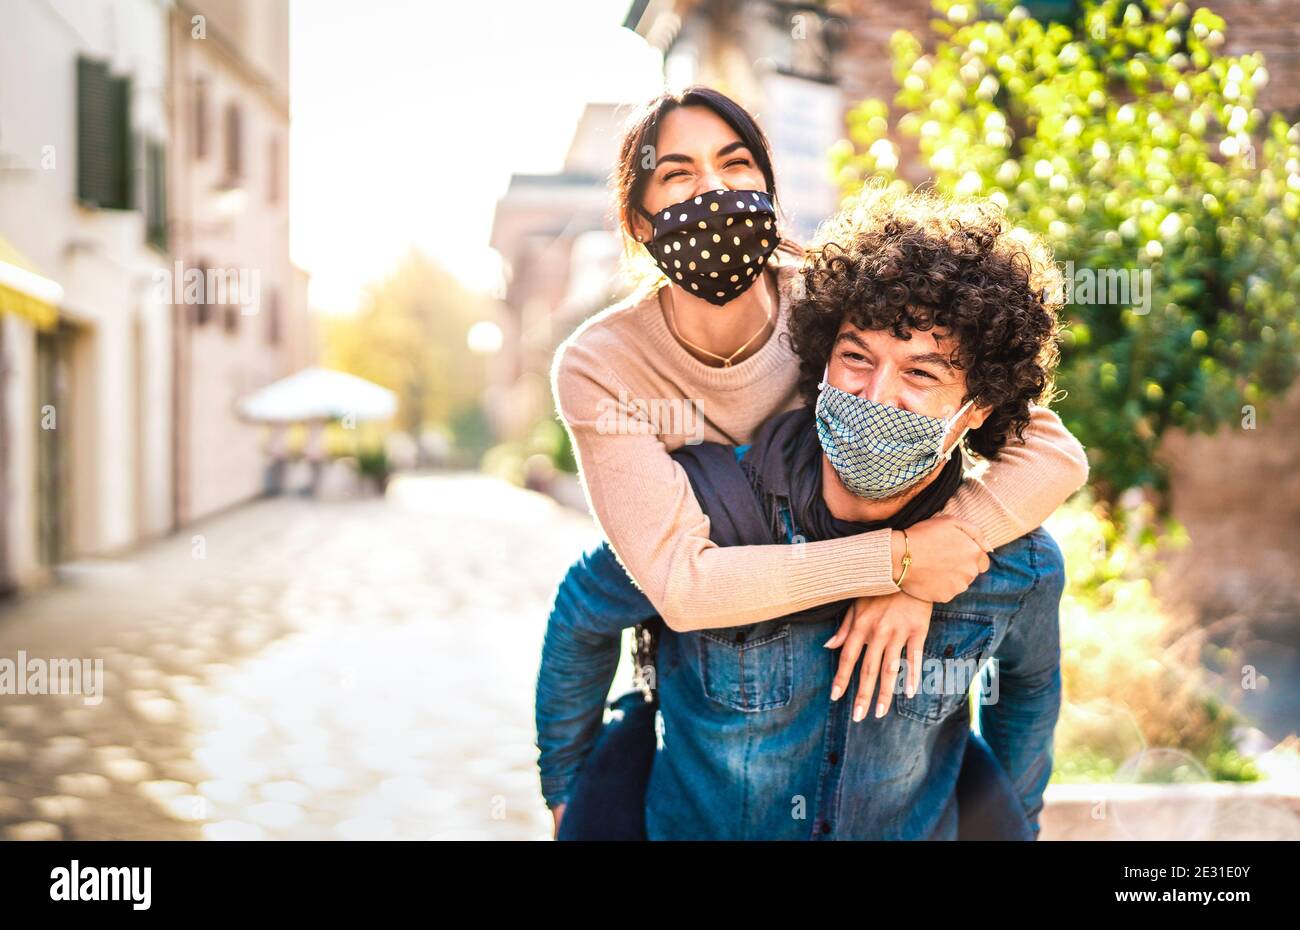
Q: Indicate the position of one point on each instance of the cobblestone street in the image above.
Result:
(298, 670)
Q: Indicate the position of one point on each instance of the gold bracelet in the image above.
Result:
(907, 561)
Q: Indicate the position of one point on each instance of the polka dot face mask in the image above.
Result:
(714, 245)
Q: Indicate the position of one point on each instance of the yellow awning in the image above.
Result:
(25, 292)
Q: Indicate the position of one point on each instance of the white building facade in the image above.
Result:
(141, 141)
(87, 412)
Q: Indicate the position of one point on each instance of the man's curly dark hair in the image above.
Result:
(904, 261)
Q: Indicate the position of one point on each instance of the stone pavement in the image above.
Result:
(298, 670)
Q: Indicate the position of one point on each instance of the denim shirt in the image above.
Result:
(896, 777)
(750, 745)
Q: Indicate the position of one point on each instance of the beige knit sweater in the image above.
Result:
(629, 394)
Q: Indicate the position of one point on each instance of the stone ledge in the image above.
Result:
(1204, 811)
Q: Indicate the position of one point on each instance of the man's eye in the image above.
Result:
(923, 374)
(854, 356)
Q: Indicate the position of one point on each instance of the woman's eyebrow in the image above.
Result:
(673, 156)
(687, 160)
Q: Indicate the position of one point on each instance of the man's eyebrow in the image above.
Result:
(847, 336)
(935, 358)
(687, 160)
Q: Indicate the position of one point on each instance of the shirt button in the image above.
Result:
(740, 637)
(948, 650)
(834, 757)
(826, 826)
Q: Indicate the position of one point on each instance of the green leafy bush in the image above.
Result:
(548, 443)
(1134, 146)
(372, 462)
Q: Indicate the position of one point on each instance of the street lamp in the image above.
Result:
(484, 338)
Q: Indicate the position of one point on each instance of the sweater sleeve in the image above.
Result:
(1025, 483)
(643, 503)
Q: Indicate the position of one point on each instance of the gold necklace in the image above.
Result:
(726, 361)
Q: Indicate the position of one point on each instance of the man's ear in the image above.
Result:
(976, 416)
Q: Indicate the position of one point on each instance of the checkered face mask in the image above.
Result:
(880, 451)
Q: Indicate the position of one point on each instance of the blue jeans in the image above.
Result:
(897, 777)
(608, 798)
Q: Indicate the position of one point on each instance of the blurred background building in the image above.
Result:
(135, 134)
(555, 235)
(229, 209)
(86, 389)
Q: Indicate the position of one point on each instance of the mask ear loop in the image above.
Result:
(957, 442)
(822, 385)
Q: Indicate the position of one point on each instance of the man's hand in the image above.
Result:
(557, 812)
(947, 555)
(887, 625)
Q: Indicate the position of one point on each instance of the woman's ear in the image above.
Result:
(642, 231)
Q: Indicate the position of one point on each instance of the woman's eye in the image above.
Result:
(673, 175)
(742, 162)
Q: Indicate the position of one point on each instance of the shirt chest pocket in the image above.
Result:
(955, 647)
(747, 668)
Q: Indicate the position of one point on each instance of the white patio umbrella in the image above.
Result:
(318, 394)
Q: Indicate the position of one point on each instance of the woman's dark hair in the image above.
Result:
(637, 152)
(900, 262)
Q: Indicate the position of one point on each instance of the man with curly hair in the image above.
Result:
(921, 322)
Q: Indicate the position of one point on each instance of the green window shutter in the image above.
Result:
(234, 143)
(94, 132)
(156, 205)
(124, 146)
(104, 157)
(200, 118)
(203, 309)
(273, 317)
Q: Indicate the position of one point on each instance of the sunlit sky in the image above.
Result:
(408, 118)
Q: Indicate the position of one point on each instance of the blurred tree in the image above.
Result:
(409, 335)
(1126, 139)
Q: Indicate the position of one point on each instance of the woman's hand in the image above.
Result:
(558, 813)
(887, 625)
(947, 555)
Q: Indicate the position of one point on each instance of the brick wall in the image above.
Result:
(1238, 495)
(1271, 27)
(865, 64)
